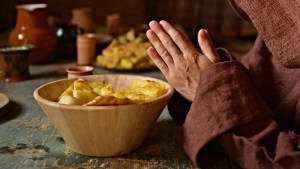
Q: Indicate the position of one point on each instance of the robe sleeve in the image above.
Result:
(227, 108)
(179, 106)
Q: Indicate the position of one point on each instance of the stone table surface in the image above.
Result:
(29, 140)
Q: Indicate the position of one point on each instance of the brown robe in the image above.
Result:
(250, 107)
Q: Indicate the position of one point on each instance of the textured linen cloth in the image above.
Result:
(250, 107)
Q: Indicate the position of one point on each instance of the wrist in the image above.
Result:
(224, 54)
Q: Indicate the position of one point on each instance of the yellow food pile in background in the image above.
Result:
(128, 51)
(82, 92)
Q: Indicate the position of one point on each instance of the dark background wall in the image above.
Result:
(214, 15)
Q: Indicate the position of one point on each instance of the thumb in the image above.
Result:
(207, 46)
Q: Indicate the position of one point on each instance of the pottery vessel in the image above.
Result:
(86, 49)
(113, 24)
(66, 40)
(32, 28)
(83, 18)
(77, 71)
(14, 65)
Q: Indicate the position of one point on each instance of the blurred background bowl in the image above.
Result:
(102, 41)
(101, 130)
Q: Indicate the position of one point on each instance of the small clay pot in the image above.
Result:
(78, 71)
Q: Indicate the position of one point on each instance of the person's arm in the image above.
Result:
(228, 109)
(223, 101)
(177, 58)
(178, 106)
(262, 144)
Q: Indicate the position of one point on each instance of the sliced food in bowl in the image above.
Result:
(82, 92)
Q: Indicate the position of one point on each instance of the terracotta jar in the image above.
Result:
(113, 24)
(83, 18)
(86, 48)
(32, 28)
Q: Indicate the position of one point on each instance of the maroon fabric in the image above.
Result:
(252, 107)
(278, 23)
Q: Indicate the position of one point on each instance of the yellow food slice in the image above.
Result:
(142, 90)
(69, 100)
(82, 91)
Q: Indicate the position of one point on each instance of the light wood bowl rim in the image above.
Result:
(170, 91)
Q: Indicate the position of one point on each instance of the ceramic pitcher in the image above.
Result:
(32, 28)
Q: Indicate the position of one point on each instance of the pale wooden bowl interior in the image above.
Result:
(101, 130)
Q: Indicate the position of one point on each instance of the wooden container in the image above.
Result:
(101, 130)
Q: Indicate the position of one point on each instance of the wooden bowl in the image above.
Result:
(101, 130)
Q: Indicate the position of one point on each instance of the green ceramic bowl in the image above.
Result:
(16, 48)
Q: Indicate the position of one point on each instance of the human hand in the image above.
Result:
(178, 59)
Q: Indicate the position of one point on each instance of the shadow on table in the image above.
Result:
(161, 145)
(53, 70)
(14, 111)
(48, 75)
(158, 151)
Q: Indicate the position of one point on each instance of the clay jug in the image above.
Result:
(32, 28)
(83, 18)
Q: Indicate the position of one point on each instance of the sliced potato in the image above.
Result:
(142, 90)
(82, 92)
(128, 51)
(69, 100)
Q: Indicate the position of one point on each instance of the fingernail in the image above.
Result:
(206, 31)
(148, 32)
(203, 31)
(162, 22)
(152, 23)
